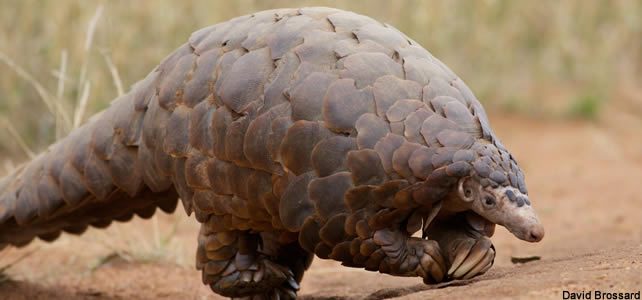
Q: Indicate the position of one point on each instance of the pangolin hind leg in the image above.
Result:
(244, 264)
(468, 251)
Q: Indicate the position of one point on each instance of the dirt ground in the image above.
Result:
(584, 180)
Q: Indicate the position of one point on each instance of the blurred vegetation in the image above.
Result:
(586, 106)
(542, 58)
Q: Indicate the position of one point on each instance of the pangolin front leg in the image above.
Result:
(406, 256)
(466, 246)
(247, 265)
(378, 239)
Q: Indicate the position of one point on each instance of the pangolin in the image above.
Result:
(289, 133)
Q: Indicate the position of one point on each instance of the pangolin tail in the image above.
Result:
(103, 171)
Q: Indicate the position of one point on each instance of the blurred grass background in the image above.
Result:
(547, 59)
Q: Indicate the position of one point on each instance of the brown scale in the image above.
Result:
(422, 70)
(344, 103)
(440, 87)
(295, 205)
(370, 129)
(402, 108)
(385, 148)
(365, 68)
(288, 133)
(389, 89)
(298, 143)
(307, 97)
(382, 34)
(350, 45)
(365, 167)
(401, 158)
(234, 138)
(413, 123)
(200, 128)
(330, 154)
(279, 82)
(316, 39)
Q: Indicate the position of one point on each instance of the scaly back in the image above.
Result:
(277, 111)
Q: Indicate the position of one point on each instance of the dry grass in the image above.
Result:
(5, 266)
(165, 239)
(148, 243)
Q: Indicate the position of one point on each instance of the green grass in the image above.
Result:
(513, 105)
(586, 107)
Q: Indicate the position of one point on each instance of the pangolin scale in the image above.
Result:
(289, 133)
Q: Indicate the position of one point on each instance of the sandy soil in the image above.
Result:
(584, 179)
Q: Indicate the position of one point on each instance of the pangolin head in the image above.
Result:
(495, 190)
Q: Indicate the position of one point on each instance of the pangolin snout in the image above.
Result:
(535, 234)
(527, 226)
(522, 222)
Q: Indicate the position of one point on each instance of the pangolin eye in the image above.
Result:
(489, 200)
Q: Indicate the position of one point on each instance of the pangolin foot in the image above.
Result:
(261, 280)
(431, 263)
(471, 257)
(409, 256)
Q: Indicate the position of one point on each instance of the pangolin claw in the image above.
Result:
(269, 279)
(472, 257)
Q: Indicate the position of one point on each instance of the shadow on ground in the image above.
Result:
(19, 290)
